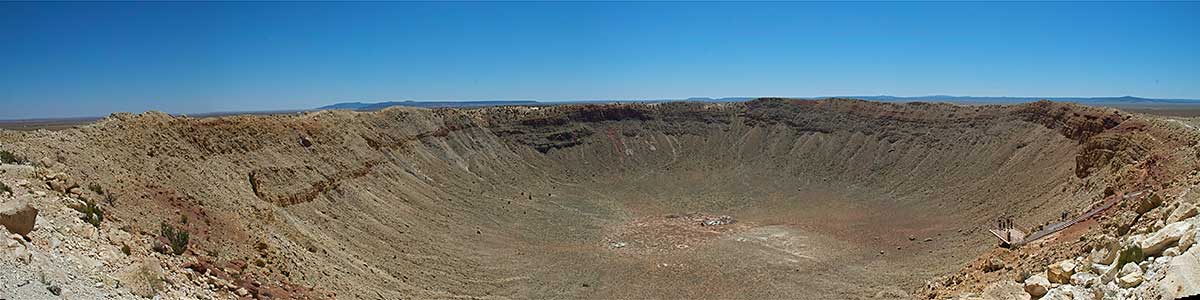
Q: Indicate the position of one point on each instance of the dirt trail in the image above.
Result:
(832, 199)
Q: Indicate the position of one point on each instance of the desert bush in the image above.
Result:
(110, 199)
(92, 213)
(9, 158)
(125, 249)
(95, 188)
(1131, 254)
(177, 239)
(5, 189)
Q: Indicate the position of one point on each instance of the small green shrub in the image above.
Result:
(92, 214)
(9, 158)
(178, 239)
(125, 249)
(1131, 254)
(95, 188)
(5, 189)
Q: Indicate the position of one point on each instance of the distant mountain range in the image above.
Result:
(430, 104)
(368, 106)
(1125, 101)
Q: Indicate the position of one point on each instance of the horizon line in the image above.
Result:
(860, 97)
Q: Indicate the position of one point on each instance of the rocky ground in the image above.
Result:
(66, 257)
(774, 198)
(1151, 257)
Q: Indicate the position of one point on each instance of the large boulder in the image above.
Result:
(1130, 281)
(1123, 221)
(1169, 235)
(1105, 250)
(992, 265)
(1061, 272)
(1130, 276)
(1188, 239)
(1085, 279)
(1145, 204)
(1173, 251)
(1182, 277)
(1037, 285)
(60, 182)
(1183, 211)
(18, 217)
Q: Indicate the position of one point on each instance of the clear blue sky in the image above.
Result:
(88, 59)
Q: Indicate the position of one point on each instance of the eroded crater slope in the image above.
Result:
(821, 199)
